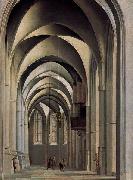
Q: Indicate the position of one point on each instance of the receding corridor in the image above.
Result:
(61, 95)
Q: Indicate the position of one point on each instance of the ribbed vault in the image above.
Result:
(61, 62)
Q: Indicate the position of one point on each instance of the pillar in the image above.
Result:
(97, 114)
(110, 122)
(13, 96)
(26, 140)
(73, 144)
(19, 125)
(114, 108)
(22, 133)
(77, 150)
(69, 144)
(81, 163)
(46, 139)
(84, 150)
(7, 156)
(92, 116)
(102, 148)
(13, 124)
(102, 134)
(2, 108)
(88, 138)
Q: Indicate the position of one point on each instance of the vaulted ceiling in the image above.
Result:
(50, 45)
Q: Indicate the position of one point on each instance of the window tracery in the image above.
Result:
(37, 128)
(53, 129)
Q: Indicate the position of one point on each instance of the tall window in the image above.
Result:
(53, 129)
(37, 128)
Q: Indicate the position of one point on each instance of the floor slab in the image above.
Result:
(40, 173)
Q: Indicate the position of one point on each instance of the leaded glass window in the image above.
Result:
(53, 129)
(37, 128)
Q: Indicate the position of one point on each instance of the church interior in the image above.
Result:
(62, 86)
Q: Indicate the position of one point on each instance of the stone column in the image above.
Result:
(87, 138)
(81, 150)
(102, 130)
(80, 156)
(46, 140)
(114, 108)
(108, 99)
(7, 115)
(13, 124)
(22, 132)
(60, 141)
(18, 124)
(77, 145)
(13, 97)
(69, 144)
(22, 125)
(93, 115)
(84, 150)
(73, 149)
(97, 113)
(48, 131)
(2, 108)
(26, 140)
(102, 148)
(125, 127)
(7, 162)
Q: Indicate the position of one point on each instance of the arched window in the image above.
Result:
(53, 129)
(37, 128)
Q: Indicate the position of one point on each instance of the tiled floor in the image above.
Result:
(40, 173)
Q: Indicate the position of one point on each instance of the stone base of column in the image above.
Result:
(8, 168)
(87, 161)
(2, 175)
(126, 175)
(102, 166)
(93, 158)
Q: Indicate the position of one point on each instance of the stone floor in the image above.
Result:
(40, 173)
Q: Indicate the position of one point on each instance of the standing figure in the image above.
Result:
(53, 162)
(49, 163)
(16, 165)
(64, 163)
(61, 166)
